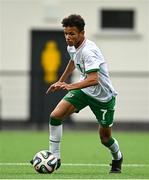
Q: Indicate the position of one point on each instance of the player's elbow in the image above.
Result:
(94, 81)
(93, 78)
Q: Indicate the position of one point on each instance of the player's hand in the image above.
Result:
(66, 86)
(54, 87)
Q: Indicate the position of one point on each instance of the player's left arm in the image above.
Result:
(91, 80)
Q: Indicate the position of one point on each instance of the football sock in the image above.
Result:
(55, 128)
(113, 146)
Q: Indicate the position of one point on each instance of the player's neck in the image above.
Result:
(80, 43)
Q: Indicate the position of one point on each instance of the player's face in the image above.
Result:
(73, 36)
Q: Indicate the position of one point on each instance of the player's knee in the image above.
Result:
(104, 140)
(56, 114)
(53, 115)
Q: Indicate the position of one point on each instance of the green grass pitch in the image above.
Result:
(83, 156)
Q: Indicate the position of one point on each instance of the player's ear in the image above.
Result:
(83, 32)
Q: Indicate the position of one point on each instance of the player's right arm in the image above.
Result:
(67, 72)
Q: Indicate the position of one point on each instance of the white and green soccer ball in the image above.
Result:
(44, 162)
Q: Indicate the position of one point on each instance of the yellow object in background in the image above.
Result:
(51, 60)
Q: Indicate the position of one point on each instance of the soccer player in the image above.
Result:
(94, 90)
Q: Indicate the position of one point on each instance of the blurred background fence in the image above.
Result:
(28, 28)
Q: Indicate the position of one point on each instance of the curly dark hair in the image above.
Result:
(74, 20)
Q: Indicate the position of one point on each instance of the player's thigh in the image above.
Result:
(77, 98)
(105, 117)
(63, 109)
(104, 112)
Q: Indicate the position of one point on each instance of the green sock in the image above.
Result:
(54, 121)
(113, 146)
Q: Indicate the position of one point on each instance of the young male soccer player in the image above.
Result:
(94, 90)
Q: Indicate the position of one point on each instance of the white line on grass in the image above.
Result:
(75, 164)
(72, 179)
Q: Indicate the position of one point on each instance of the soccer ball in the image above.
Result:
(44, 162)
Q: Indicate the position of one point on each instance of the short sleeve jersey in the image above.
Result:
(88, 58)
